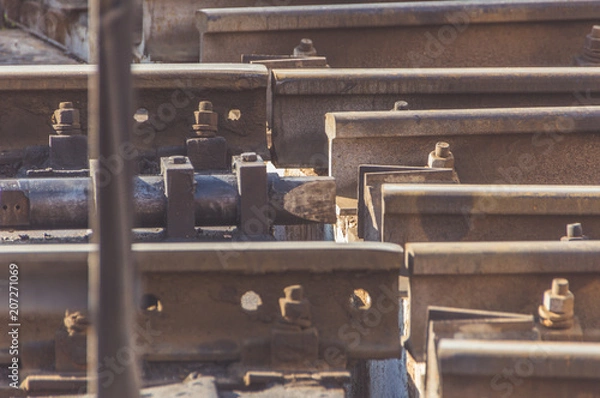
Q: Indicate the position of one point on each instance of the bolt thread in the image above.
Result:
(205, 106)
(442, 149)
(574, 230)
(560, 286)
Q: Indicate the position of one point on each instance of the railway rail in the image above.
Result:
(166, 229)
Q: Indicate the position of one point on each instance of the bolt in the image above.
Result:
(574, 232)
(76, 322)
(206, 120)
(441, 157)
(400, 106)
(65, 119)
(305, 49)
(249, 157)
(591, 46)
(178, 159)
(295, 309)
(557, 309)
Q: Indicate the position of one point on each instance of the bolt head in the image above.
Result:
(178, 159)
(205, 106)
(305, 48)
(294, 293)
(574, 230)
(65, 105)
(559, 304)
(400, 106)
(250, 157)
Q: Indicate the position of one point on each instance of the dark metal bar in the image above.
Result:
(62, 203)
(112, 272)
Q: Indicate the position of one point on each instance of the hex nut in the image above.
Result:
(559, 304)
(436, 162)
(66, 119)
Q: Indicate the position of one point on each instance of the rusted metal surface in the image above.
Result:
(62, 23)
(62, 203)
(475, 368)
(495, 276)
(216, 278)
(489, 146)
(169, 27)
(434, 34)
(461, 212)
(455, 323)
(168, 94)
(372, 178)
(301, 98)
(20, 48)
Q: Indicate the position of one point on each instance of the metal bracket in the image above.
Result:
(255, 214)
(178, 174)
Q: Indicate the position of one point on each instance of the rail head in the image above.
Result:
(234, 77)
(358, 81)
(492, 258)
(347, 16)
(452, 122)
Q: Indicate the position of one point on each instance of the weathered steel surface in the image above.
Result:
(371, 178)
(433, 34)
(495, 276)
(450, 213)
(476, 368)
(169, 93)
(169, 27)
(490, 146)
(63, 23)
(456, 323)
(62, 203)
(20, 48)
(203, 284)
(301, 98)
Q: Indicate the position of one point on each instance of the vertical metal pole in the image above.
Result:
(112, 360)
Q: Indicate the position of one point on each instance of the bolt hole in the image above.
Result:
(360, 299)
(250, 301)
(5, 207)
(18, 207)
(141, 115)
(150, 302)
(234, 114)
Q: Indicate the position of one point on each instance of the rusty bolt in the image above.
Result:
(65, 119)
(295, 309)
(591, 45)
(574, 232)
(178, 159)
(557, 309)
(441, 157)
(305, 49)
(76, 322)
(206, 120)
(400, 106)
(249, 156)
